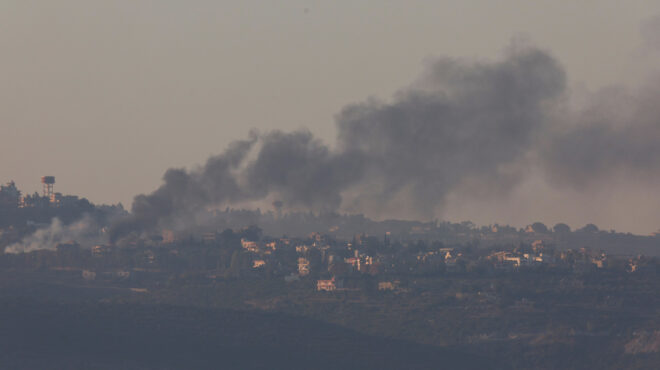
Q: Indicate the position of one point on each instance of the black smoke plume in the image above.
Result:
(461, 119)
(461, 123)
(618, 133)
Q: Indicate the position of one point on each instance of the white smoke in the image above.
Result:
(84, 231)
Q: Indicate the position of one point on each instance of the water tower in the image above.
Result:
(48, 182)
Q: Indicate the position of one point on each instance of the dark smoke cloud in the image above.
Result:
(183, 192)
(297, 168)
(302, 171)
(617, 134)
(468, 126)
(460, 120)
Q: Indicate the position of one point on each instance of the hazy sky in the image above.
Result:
(106, 95)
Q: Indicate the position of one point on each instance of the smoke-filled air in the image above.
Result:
(85, 231)
(462, 124)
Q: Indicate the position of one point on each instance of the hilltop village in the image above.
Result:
(527, 296)
(332, 264)
(364, 260)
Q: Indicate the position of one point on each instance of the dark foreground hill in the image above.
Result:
(86, 336)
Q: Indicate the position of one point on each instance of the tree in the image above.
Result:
(589, 228)
(252, 233)
(561, 228)
(539, 227)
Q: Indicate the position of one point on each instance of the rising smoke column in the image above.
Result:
(184, 192)
(461, 119)
(85, 231)
(618, 133)
(300, 169)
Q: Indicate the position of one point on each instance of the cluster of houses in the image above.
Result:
(513, 259)
(334, 265)
(328, 261)
(332, 262)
